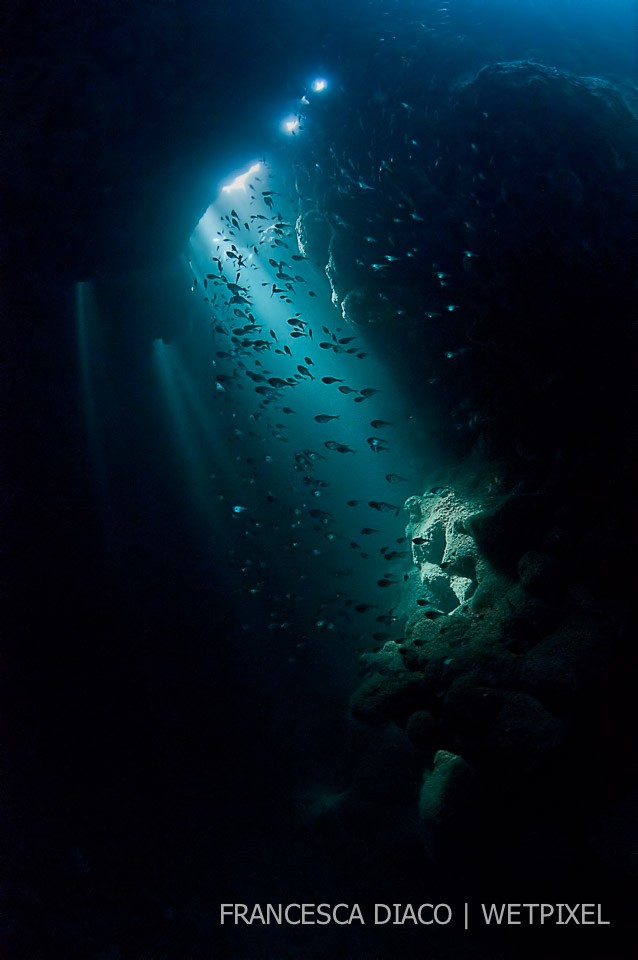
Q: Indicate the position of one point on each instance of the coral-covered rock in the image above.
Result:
(388, 698)
(313, 233)
(540, 574)
(387, 660)
(505, 531)
(425, 730)
(444, 793)
(442, 549)
(502, 725)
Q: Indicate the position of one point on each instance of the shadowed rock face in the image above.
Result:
(484, 230)
(488, 239)
(505, 681)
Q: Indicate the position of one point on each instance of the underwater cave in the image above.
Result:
(320, 479)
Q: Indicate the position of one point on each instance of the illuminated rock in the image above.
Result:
(442, 549)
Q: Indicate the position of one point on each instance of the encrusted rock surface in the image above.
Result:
(502, 682)
(443, 551)
(444, 791)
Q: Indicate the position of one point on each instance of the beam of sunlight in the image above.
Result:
(320, 438)
(88, 348)
(240, 182)
(191, 429)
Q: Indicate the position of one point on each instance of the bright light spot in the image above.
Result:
(240, 182)
(291, 125)
(319, 85)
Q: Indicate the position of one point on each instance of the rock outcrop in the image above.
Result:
(499, 674)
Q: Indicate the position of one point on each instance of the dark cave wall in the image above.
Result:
(489, 228)
(486, 236)
(121, 118)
